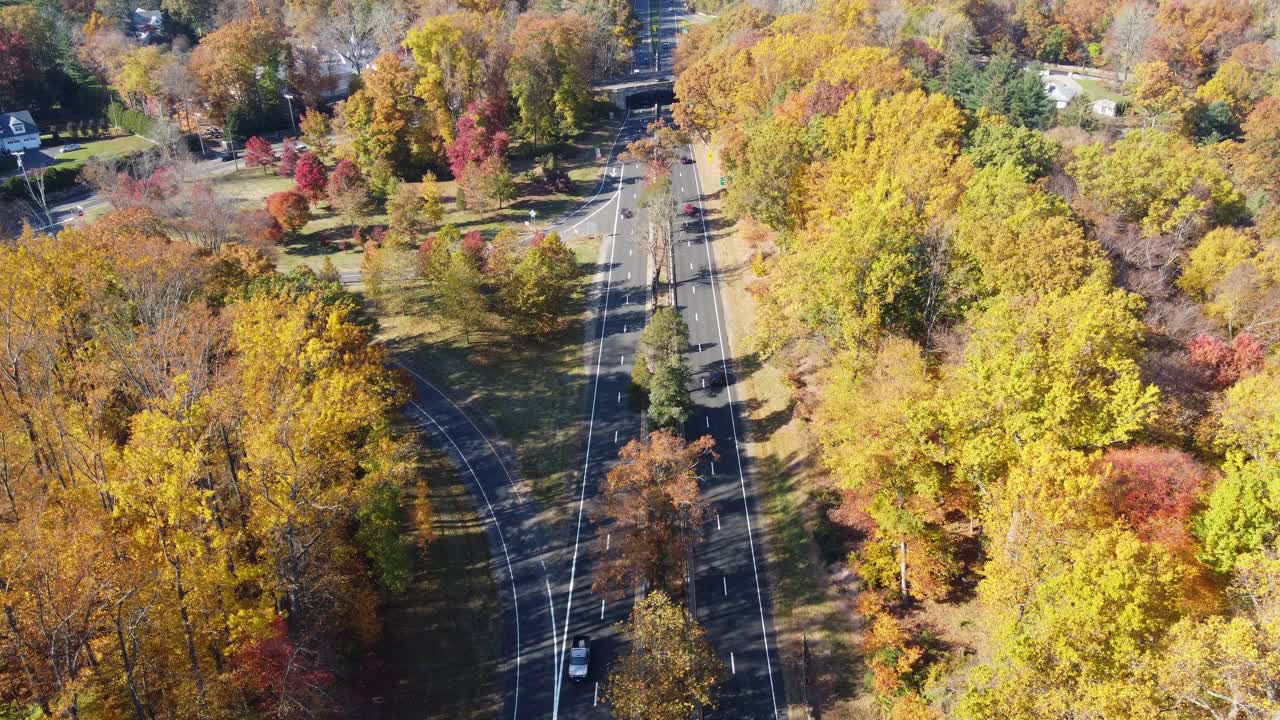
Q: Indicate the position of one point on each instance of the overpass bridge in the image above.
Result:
(638, 89)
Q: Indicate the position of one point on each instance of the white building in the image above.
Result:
(18, 132)
(1061, 88)
(1104, 107)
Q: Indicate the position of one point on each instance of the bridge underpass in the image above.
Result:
(639, 92)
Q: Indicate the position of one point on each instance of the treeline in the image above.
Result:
(201, 480)
(1036, 361)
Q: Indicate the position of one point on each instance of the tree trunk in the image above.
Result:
(181, 593)
(138, 712)
(902, 569)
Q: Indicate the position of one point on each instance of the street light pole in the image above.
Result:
(40, 200)
(288, 97)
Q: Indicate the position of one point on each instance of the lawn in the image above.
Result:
(322, 236)
(1101, 90)
(441, 643)
(532, 390)
(101, 149)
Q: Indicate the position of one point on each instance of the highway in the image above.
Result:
(729, 570)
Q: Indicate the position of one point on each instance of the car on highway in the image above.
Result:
(70, 147)
(579, 658)
(715, 378)
(626, 213)
(686, 160)
(690, 209)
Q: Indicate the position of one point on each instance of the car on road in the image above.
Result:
(579, 658)
(715, 378)
(626, 213)
(690, 209)
(70, 147)
(686, 160)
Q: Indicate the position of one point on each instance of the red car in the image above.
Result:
(690, 210)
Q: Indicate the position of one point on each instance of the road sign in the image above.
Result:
(721, 181)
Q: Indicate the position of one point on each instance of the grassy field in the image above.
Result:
(101, 149)
(321, 237)
(1101, 90)
(441, 646)
(531, 389)
(813, 592)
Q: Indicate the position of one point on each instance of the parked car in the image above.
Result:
(70, 147)
(579, 658)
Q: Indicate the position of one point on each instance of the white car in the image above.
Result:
(70, 147)
(579, 658)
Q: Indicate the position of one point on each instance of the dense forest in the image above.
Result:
(1031, 345)
(194, 448)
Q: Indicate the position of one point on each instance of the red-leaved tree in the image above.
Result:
(473, 248)
(257, 153)
(284, 680)
(1224, 364)
(310, 178)
(288, 158)
(480, 135)
(1155, 488)
(290, 209)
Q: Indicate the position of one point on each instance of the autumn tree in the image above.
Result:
(489, 184)
(258, 153)
(1159, 180)
(670, 670)
(310, 178)
(405, 221)
(290, 209)
(1223, 664)
(348, 191)
(1261, 162)
(1158, 94)
(316, 127)
(432, 205)
(220, 370)
(383, 121)
(1059, 367)
(236, 65)
(480, 134)
(460, 60)
(1129, 36)
(288, 158)
(879, 438)
(460, 296)
(549, 74)
(652, 501)
(538, 289)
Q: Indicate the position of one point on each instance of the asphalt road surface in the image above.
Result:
(732, 600)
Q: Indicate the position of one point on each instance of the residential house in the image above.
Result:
(18, 132)
(1062, 89)
(148, 25)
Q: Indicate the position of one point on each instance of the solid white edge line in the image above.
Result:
(582, 492)
(600, 185)
(496, 454)
(515, 598)
(737, 452)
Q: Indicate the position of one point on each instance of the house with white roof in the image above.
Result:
(1062, 89)
(18, 132)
